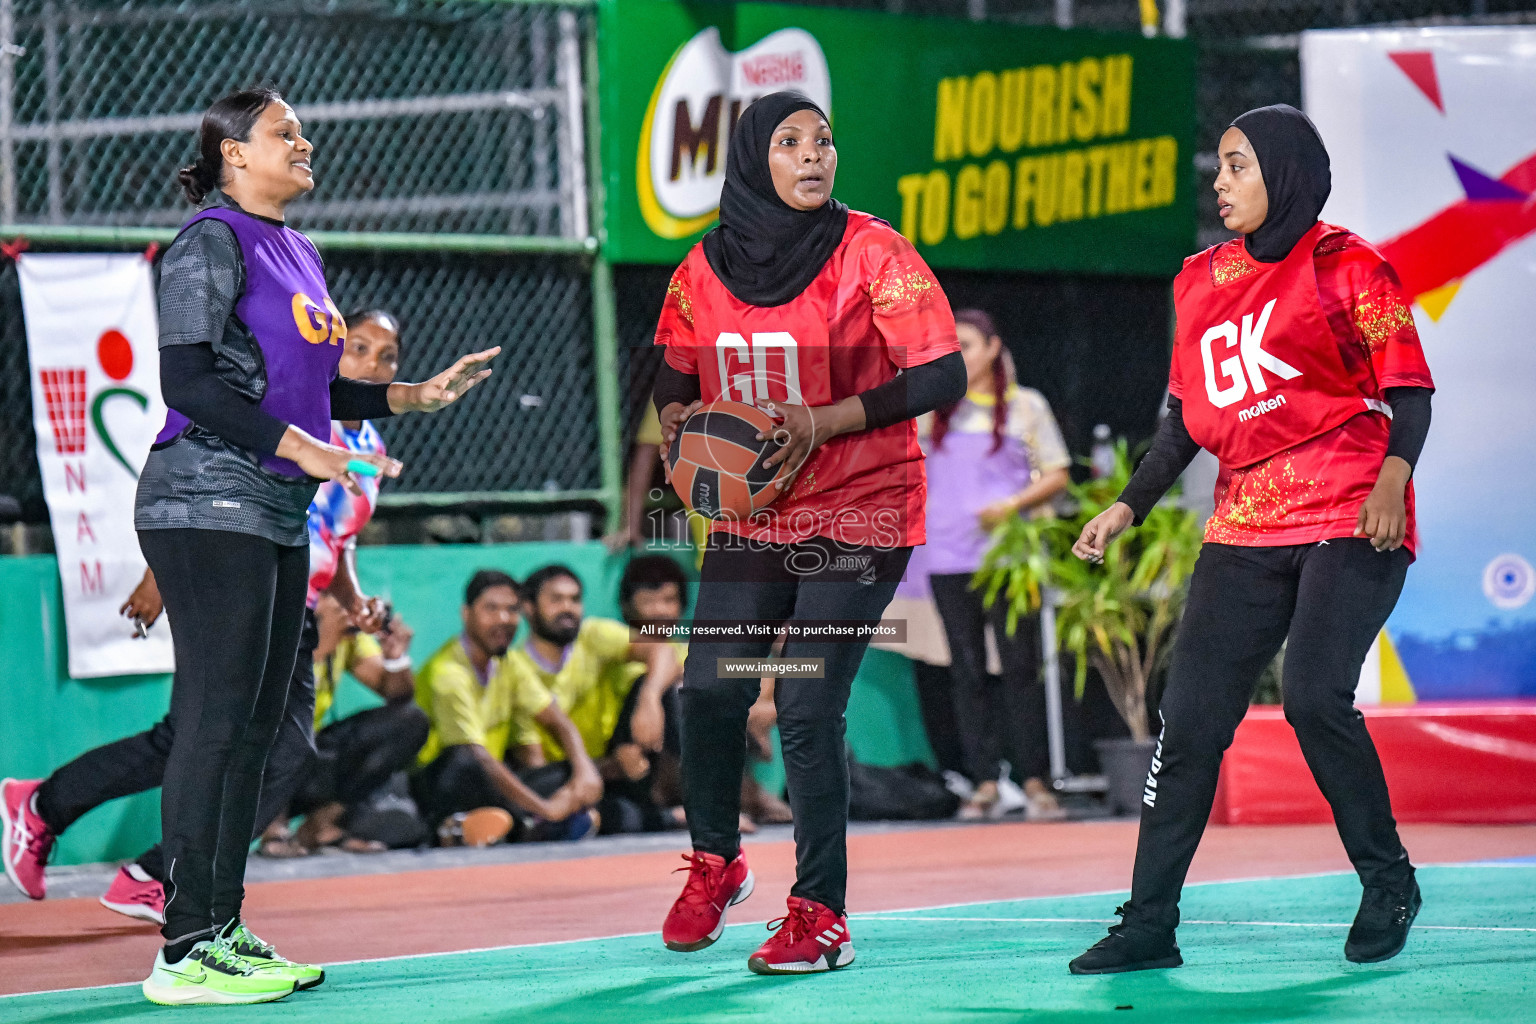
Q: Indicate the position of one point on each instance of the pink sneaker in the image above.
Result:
(143, 898)
(24, 840)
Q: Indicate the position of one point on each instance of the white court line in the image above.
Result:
(872, 918)
(877, 915)
(1187, 885)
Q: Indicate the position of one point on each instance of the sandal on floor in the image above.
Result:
(282, 848)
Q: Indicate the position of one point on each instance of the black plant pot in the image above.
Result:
(1126, 763)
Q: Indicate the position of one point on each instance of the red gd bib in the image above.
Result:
(1259, 366)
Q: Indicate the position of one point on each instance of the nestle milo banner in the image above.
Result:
(989, 146)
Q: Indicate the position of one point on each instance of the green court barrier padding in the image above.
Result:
(46, 717)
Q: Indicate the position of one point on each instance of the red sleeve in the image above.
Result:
(1364, 301)
(1175, 371)
(911, 311)
(1175, 375)
(675, 329)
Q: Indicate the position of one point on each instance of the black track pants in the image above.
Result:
(236, 607)
(137, 763)
(1329, 600)
(359, 753)
(814, 581)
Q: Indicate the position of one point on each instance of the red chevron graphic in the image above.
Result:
(1419, 66)
(1464, 235)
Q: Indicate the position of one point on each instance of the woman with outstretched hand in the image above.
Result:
(249, 346)
(1296, 363)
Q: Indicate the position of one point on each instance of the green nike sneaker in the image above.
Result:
(263, 957)
(212, 974)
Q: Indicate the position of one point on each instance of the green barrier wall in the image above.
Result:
(47, 718)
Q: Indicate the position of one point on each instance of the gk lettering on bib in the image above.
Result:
(1254, 356)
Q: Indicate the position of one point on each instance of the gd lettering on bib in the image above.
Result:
(1258, 362)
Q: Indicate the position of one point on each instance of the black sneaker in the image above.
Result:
(1128, 948)
(1381, 926)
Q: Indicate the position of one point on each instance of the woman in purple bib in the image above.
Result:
(249, 346)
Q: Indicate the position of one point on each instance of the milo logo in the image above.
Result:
(694, 109)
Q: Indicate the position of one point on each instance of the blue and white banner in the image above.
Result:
(1433, 145)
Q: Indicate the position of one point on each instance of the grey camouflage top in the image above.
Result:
(200, 481)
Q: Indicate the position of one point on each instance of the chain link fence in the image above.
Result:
(452, 169)
(638, 293)
(459, 117)
(531, 432)
(451, 134)
(19, 475)
(533, 426)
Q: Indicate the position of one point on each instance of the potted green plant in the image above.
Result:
(1117, 617)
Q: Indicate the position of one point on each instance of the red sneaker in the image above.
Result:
(809, 938)
(143, 898)
(25, 841)
(698, 917)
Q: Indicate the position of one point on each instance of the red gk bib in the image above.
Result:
(1258, 362)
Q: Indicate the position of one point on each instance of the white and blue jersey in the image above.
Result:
(337, 516)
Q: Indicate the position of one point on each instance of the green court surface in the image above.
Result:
(1256, 951)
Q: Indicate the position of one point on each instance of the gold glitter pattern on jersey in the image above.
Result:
(804, 486)
(1332, 244)
(1228, 264)
(1261, 497)
(679, 294)
(901, 288)
(1378, 317)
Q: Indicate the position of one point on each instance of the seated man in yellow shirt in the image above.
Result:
(480, 712)
(589, 668)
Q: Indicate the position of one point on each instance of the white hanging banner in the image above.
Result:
(92, 343)
(1433, 141)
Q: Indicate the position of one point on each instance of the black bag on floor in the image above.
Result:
(912, 792)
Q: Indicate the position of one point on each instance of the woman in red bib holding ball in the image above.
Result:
(829, 320)
(1297, 364)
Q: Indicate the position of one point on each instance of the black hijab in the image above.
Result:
(765, 251)
(1296, 176)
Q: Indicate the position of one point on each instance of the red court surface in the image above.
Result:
(443, 910)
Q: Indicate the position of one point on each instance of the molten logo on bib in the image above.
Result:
(694, 109)
(1252, 358)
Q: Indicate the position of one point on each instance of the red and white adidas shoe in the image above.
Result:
(698, 917)
(25, 841)
(135, 896)
(809, 938)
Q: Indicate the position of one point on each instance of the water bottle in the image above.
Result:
(1101, 460)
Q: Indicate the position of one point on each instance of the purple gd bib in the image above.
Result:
(300, 331)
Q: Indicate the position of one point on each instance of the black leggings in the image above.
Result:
(1329, 601)
(627, 804)
(358, 754)
(455, 781)
(236, 607)
(814, 581)
(995, 718)
(137, 763)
